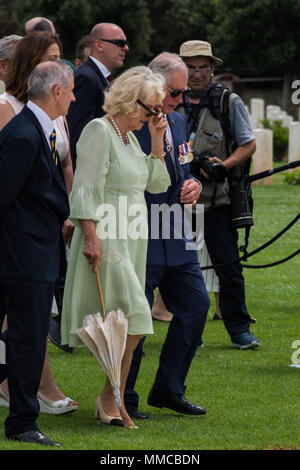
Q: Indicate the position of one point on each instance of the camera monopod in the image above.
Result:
(261, 175)
(250, 179)
(271, 171)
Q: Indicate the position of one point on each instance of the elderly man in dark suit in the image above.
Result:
(171, 263)
(109, 48)
(33, 207)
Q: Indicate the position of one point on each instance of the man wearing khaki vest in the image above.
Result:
(207, 134)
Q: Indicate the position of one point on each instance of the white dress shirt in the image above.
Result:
(101, 67)
(45, 121)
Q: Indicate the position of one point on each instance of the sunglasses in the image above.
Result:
(118, 42)
(175, 93)
(151, 111)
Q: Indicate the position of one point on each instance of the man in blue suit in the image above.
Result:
(109, 48)
(170, 265)
(33, 207)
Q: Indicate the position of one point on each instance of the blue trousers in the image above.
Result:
(221, 239)
(185, 296)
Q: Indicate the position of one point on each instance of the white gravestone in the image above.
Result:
(287, 120)
(257, 111)
(277, 116)
(262, 159)
(270, 108)
(294, 141)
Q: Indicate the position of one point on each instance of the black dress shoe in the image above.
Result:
(216, 317)
(34, 437)
(134, 412)
(176, 402)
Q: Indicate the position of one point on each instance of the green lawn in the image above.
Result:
(251, 397)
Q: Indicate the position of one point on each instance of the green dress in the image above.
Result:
(109, 184)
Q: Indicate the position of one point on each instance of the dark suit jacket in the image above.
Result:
(88, 90)
(33, 202)
(170, 252)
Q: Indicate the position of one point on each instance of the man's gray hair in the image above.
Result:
(7, 46)
(45, 76)
(167, 63)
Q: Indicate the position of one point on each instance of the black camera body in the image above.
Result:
(216, 171)
(240, 194)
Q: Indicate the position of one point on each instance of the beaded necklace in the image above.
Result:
(126, 140)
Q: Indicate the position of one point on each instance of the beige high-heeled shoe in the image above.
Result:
(128, 425)
(104, 418)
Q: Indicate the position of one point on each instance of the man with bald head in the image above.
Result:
(39, 24)
(108, 51)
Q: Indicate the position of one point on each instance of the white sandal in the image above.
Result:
(4, 399)
(58, 407)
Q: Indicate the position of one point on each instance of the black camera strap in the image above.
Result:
(192, 114)
(217, 101)
(218, 104)
(257, 250)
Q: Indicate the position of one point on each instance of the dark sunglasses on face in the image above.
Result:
(118, 42)
(151, 111)
(175, 93)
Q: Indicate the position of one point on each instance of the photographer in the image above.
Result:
(220, 144)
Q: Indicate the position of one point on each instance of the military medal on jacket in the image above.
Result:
(185, 154)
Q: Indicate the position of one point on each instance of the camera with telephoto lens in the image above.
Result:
(216, 171)
(241, 207)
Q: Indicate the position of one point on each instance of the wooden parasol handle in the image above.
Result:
(100, 293)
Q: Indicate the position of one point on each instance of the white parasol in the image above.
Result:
(105, 336)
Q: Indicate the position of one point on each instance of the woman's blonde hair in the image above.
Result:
(136, 83)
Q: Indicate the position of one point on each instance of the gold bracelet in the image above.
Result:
(162, 155)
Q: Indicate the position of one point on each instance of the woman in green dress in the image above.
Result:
(110, 215)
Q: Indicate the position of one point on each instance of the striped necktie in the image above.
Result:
(54, 151)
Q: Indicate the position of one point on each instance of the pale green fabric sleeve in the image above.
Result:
(92, 166)
(158, 179)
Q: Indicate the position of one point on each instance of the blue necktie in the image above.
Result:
(54, 152)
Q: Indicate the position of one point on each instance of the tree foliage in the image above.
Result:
(253, 38)
(259, 37)
(8, 21)
(176, 21)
